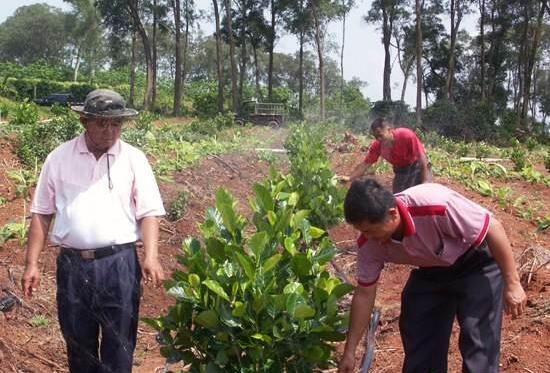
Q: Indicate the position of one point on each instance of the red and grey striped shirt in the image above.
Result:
(439, 226)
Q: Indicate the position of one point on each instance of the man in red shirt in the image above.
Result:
(465, 270)
(402, 149)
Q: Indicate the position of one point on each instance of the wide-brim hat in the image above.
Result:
(104, 103)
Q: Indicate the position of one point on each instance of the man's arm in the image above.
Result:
(151, 268)
(361, 310)
(424, 172)
(359, 171)
(38, 232)
(514, 295)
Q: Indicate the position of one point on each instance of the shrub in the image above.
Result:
(254, 303)
(177, 207)
(518, 156)
(547, 160)
(37, 139)
(312, 175)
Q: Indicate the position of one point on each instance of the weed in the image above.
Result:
(177, 207)
(39, 321)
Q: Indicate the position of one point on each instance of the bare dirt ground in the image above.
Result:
(27, 347)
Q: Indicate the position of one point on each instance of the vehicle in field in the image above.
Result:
(262, 113)
(63, 99)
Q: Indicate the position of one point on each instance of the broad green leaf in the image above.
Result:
(314, 354)
(290, 246)
(216, 288)
(194, 280)
(239, 309)
(294, 287)
(316, 232)
(299, 217)
(301, 264)
(246, 265)
(271, 217)
(263, 197)
(257, 243)
(225, 205)
(221, 358)
(215, 249)
(303, 311)
(271, 262)
(208, 319)
(262, 337)
(212, 368)
(341, 290)
(293, 199)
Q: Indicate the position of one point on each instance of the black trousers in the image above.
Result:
(471, 291)
(96, 297)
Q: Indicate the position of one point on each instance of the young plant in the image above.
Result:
(39, 320)
(177, 207)
(547, 160)
(260, 302)
(518, 156)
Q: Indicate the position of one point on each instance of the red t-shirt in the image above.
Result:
(406, 149)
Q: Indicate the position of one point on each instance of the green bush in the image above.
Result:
(312, 175)
(204, 95)
(547, 160)
(518, 156)
(177, 207)
(260, 302)
(37, 139)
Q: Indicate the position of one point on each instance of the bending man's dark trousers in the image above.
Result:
(471, 291)
(99, 295)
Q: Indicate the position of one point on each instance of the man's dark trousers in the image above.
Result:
(471, 290)
(99, 295)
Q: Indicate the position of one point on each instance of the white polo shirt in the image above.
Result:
(74, 186)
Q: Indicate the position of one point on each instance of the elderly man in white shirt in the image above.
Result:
(104, 197)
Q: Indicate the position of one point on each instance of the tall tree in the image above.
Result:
(229, 21)
(386, 12)
(482, 68)
(219, 64)
(346, 6)
(176, 9)
(457, 9)
(34, 32)
(418, 10)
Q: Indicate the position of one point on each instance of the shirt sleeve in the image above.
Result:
(369, 265)
(146, 193)
(465, 219)
(373, 153)
(44, 195)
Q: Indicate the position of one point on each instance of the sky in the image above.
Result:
(363, 53)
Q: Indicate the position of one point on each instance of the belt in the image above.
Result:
(100, 252)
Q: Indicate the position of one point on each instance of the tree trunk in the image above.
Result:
(133, 70)
(134, 13)
(522, 55)
(319, 44)
(218, 56)
(257, 73)
(342, 56)
(177, 78)
(531, 58)
(418, 10)
(406, 73)
(244, 55)
(386, 39)
(155, 52)
(456, 18)
(185, 46)
(301, 77)
(77, 64)
(271, 51)
(234, 105)
(482, 45)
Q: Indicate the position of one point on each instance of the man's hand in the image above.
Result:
(347, 364)
(151, 270)
(514, 299)
(30, 280)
